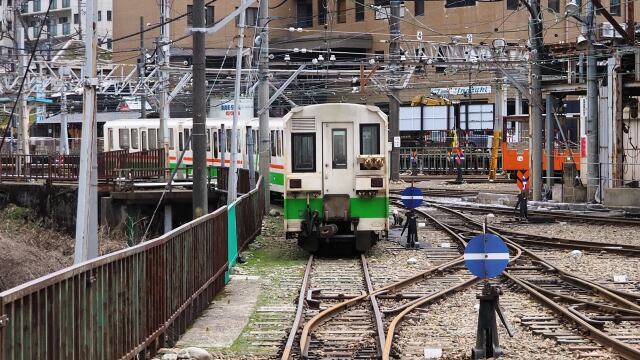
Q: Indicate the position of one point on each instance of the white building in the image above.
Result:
(66, 20)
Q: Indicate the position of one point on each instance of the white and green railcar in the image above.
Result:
(143, 134)
(336, 184)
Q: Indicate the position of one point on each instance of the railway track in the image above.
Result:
(356, 320)
(604, 315)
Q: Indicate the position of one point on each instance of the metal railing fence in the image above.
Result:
(129, 303)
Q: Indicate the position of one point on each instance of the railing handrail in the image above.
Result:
(68, 272)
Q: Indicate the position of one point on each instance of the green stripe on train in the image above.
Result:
(276, 178)
(365, 208)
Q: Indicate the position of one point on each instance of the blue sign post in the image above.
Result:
(411, 197)
(486, 256)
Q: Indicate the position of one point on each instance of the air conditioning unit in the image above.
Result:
(607, 31)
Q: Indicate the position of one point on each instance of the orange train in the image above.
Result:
(516, 157)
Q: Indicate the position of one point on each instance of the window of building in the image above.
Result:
(339, 148)
(37, 5)
(459, 3)
(303, 150)
(419, 7)
(153, 139)
(369, 139)
(123, 138)
(342, 11)
(359, 10)
(109, 15)
(66, 3)
(554, 5)
(614, 7)
(76, 18)
(109, 43)
(54, 4)
(134, 139)
(25, 7)
(251, 18)
(322, 12)
(52, 28)
(208, 16)
(513, 4)
(304, 13)
(99, 15)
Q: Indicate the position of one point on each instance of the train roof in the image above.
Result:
(174, 121)
(342, 109)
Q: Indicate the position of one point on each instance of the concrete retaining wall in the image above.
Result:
(623, 198)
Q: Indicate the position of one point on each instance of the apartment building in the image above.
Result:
(66, 20)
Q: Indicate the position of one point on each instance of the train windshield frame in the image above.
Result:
(303, 150)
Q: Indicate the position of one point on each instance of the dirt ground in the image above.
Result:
(30, 248)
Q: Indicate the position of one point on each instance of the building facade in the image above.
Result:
(66, 20)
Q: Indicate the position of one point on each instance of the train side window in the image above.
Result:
(123, 138)
(153, 139)
(215, 144)
(187, 143)
(208, 139)
(279, 142)
(238, 141)
(370, 139)
(110, 142)
(228, 140)
(134, 139)
(255, 141)
(339, 148)
(180, 141)
(273, 143)
(303, 151)
(171, 139)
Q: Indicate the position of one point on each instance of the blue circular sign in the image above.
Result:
(486, 256)
(411, 197)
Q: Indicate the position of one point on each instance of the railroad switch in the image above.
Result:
(487, 343)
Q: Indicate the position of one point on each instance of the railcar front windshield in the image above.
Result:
(303, 152)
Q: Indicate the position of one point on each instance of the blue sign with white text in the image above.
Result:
(486, 256)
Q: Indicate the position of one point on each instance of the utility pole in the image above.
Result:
(23, 127)
(593, 145)
(64, 130)
(165, 61)
(535, 36)
(141, 74)
(264, 144)
(86, 244)
(394, 99)
(549, 120)
(200, 193)
(233, 176)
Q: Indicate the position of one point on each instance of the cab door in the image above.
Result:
(337, 155)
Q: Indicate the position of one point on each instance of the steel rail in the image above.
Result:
(407, 308)
(374, 306)
(286, 353)
(597, 335)
(334, 310)
(327, 314)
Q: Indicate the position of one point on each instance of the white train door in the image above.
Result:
(337, 155)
